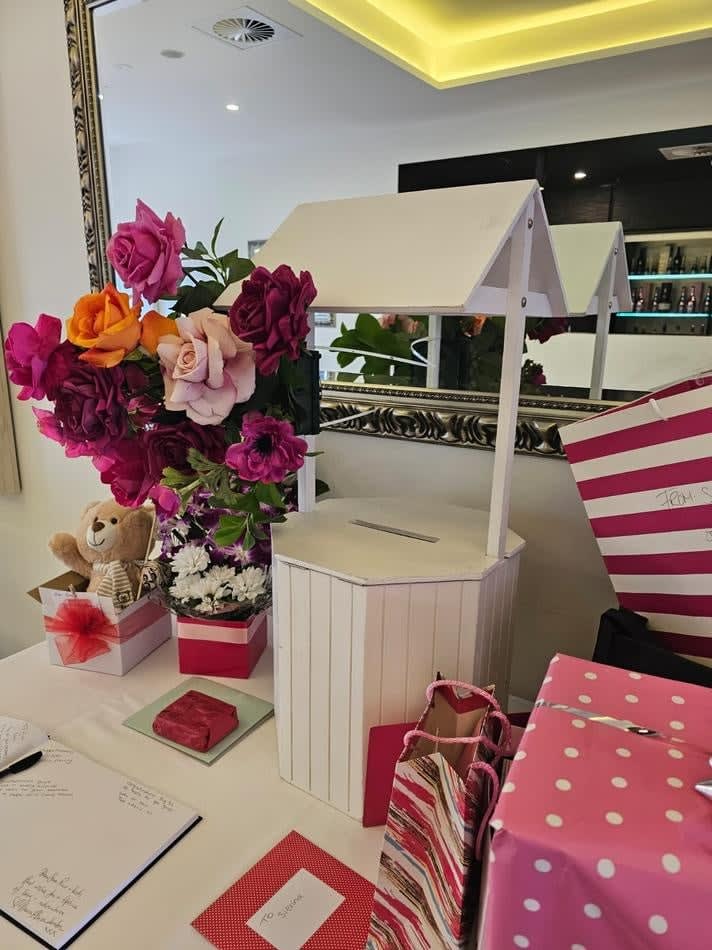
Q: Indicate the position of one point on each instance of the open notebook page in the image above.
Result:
(18, 739)
(73, 836)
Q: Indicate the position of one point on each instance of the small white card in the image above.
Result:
(295, 913)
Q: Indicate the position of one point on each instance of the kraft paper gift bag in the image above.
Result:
(644, 472)
(444, 788)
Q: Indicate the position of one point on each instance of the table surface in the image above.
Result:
(245, 805)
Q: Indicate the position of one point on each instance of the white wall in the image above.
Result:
(42, 266)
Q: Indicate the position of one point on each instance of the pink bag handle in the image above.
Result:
(495, 712)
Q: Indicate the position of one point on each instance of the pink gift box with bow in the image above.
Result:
(600, 839)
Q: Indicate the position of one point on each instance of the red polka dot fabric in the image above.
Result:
(224, 922)
(600, 839)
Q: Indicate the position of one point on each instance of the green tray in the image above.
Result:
(250, 712)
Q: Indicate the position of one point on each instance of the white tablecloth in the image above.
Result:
(245, 806)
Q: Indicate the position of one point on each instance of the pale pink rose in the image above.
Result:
(206, 369)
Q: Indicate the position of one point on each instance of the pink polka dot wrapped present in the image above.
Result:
(600, 840)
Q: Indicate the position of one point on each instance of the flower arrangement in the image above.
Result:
(193, 409)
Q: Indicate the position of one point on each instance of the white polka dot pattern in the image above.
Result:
(588, 798)
(223, 922)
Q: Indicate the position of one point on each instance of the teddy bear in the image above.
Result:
(109, 549)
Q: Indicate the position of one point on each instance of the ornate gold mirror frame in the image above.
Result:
(439, 417)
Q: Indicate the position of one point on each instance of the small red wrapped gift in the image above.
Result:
(196, 721)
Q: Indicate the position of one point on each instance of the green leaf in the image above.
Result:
(192, 298)
(172, 478)
(237, 267)
(368, 328)
(215, 235)
(207, 271)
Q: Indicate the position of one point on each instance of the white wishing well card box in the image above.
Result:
(54, 880)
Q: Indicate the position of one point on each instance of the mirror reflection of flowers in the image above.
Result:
(177, 403)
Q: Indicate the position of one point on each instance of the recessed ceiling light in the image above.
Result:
(232, 107)
(580, 175)
(101, 95)
(172, 53)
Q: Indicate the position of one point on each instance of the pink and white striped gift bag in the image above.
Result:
(644, 472)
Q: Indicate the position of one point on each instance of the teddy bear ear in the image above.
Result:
(88, 508)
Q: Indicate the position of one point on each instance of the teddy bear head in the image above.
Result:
(109, 532)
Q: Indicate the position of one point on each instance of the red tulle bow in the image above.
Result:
(82, 631)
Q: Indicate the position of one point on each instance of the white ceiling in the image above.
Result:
(319, 85)
(285, 89)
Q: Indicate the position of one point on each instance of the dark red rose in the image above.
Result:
(543, 330)
(167, 446)
(271, 314)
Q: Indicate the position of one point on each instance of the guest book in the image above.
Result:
(74, 836)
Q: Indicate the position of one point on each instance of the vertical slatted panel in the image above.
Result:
(510, 593)
(421, 634)
(366, 639)
(396, 605)
(471, 633)
(320, 692)
(494, 594)
(281, 581)
(340, 704)
(448, 619)
(301, 682)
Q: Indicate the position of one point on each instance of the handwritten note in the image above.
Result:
(145, 800)
(296, 911)
(25, 785)
(46, 898)
(681, 497)
(18, 739)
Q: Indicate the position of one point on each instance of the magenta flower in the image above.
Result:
(146, 253)
(125, 470)
(167, 501)
(269, 450)
(27, 352)
(271, 314)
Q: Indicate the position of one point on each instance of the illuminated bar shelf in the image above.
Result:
(659, 313)
(657, 277)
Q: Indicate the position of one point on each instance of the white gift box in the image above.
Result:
(86, 632)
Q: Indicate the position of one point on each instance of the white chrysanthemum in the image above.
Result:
(222, 574)
(191, 559)
(183, 588)
(250, 584)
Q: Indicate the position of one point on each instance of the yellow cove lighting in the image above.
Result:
(454, 42)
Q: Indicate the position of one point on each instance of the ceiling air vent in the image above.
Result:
(244, 29)
(674, 152)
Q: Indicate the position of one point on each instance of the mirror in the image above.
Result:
(245, 116)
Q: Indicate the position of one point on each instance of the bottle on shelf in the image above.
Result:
(665, 300)
(655, 302)
(682, 302)
(691, 305)
(676, 266)
(707, 305)
(639, 301)
(641, 262)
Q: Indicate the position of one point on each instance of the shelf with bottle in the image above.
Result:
(685, 299)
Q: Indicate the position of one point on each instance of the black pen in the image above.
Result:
(21, 764)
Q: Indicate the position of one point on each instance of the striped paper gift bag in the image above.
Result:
(425, 898)
(644, 472)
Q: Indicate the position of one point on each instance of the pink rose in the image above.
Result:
(269, 450)
(206, 369)
(146, 253)
(271, 314)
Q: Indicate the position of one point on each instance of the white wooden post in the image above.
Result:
(605, 305)
(518, 288)
(435, 324)
(306, 476)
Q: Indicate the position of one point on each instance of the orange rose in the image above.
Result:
(105, 325)
(153, 327)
